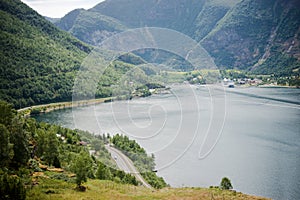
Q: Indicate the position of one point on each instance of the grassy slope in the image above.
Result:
(97, 189)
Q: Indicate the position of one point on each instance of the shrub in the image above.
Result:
(225, 184)
(11, 187)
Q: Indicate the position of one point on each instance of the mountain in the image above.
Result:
(38, 61)
(174, 14)
(90, 27)
(259, 36)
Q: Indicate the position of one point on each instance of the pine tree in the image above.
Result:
(225, 184)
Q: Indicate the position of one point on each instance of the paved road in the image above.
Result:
(125, 164)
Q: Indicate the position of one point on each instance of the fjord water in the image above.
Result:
(200, 134)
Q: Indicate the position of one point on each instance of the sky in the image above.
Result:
(59, 8)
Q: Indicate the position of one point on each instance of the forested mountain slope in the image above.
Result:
(38, 61)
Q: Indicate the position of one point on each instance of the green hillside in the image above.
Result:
(31, 151)
(38, 62)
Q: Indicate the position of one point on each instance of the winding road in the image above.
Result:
(125, 164)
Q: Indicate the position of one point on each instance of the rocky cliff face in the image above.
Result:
(257, 35)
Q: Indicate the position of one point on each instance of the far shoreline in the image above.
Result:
(46, 108)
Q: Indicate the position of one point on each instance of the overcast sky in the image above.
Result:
(58, 8)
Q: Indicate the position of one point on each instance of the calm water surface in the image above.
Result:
(201, 134)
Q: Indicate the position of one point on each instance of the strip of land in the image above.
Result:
(44, 108)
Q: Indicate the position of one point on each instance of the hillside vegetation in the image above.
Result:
(38, 62)
(31, 151)
(43, 161)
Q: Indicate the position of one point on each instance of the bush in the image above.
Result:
(61, 176)
(11, 187)
(34, 164)
(35, 111)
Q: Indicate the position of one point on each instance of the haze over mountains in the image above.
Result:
(262, 36)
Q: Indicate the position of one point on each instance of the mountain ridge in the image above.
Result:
(238, 34)
(37, 60)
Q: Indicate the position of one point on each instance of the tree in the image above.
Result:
(20, 141)
(6, 113)
(103, 172)
(51, 148)
(96, 144)
(40, 142)
(225, 184)
(81, 167)
(6, 148)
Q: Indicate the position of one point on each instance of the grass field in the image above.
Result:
(48, 188)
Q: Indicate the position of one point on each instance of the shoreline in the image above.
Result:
(45, 108)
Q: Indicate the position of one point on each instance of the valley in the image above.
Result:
(150, 99)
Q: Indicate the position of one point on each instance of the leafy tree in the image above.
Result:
(20, 142)
(6, 113)
(81, 167)
(96, 144)
(103, 172)
(225, 184)
(41, 142)
(6, 148)
(129, 179)
(51, 148)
